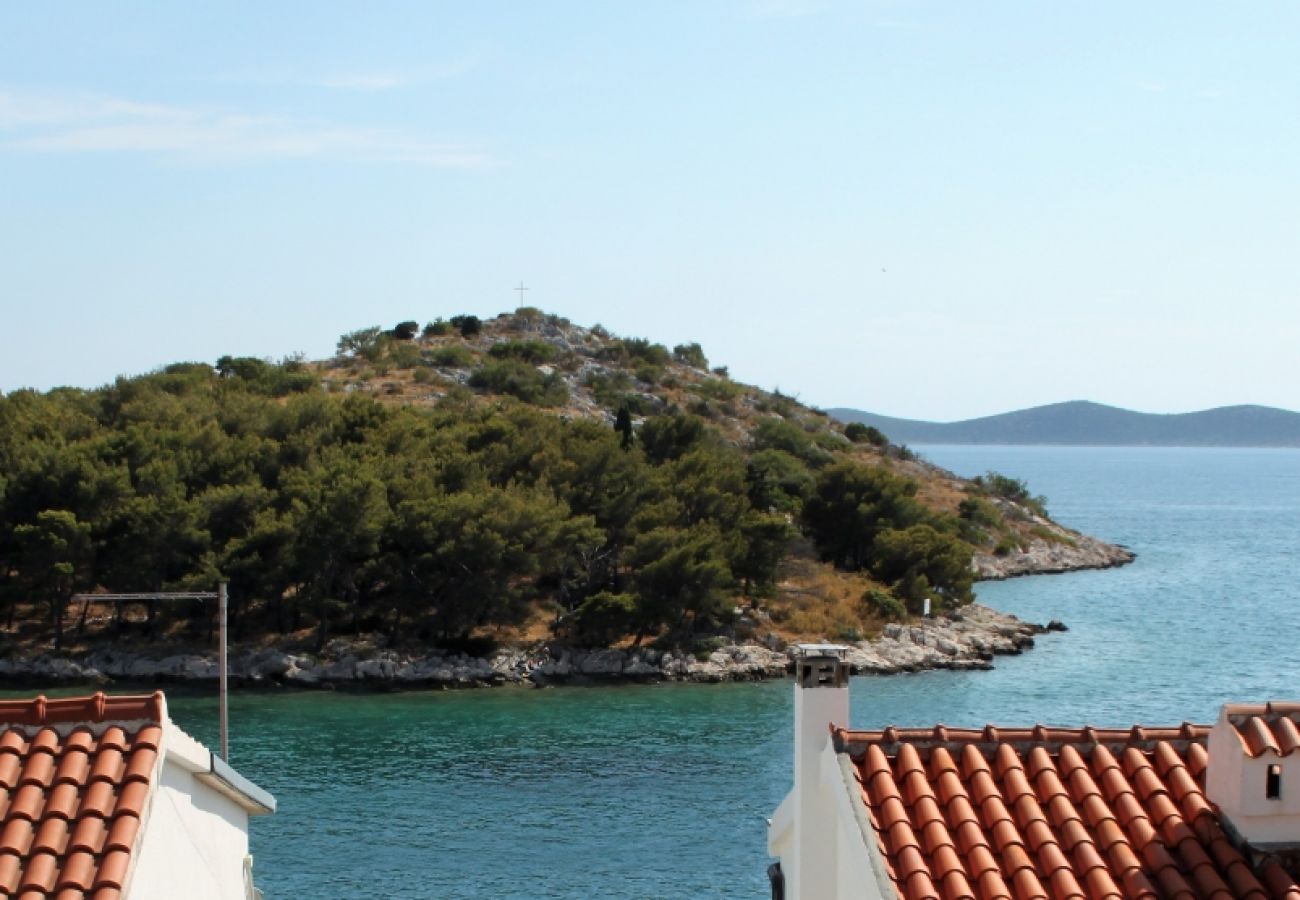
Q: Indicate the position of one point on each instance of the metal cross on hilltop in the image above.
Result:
(521, 290)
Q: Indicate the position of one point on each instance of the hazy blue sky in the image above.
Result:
(935, 210)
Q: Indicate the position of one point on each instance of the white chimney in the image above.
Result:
(821, 699)
(1254, 772)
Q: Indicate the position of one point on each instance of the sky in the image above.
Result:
(926, 210)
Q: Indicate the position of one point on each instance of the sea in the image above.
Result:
(662, 791)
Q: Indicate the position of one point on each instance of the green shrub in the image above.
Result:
(1012, 489)
(404, 355)
(981, 512)
(609, 390)
(424, 375)
(602, 619)
(437, 328)
(453, 356)
(649, 372)
(669, 437)
(518, 379)
(778, 434)
(852, 504)
(848, 633)
(645, 351)
(367, 343)
(640, 404)
(717, 389)
(884, 605)
(776, 402)
(405, 331)
(916, 558)
(468, 325)
(971, 533)
(829, 441)
(777, 481)
(255, 375)
(529, 351)
(858, 433)
(702, 408)
(691, 355)
(245, 368)
(529, 316)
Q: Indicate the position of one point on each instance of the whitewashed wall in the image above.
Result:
(195, 838)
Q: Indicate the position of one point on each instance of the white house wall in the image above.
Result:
(855, 878)
(195, 844)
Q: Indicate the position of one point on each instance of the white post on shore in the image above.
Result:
(225, 714)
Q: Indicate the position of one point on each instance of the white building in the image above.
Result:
(941, 813)
(106, 796)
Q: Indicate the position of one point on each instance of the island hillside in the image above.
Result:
(467, 482)
(1080, 423)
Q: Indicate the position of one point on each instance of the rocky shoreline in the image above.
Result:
(1068, 551)
(969, 639)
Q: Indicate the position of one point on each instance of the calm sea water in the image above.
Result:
(662, 791)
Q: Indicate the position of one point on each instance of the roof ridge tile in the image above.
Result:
(98, 707)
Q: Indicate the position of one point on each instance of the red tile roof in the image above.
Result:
(75, 776)
(1265, 726)
(1051, 813)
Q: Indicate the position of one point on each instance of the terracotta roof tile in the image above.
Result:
(122, 835)
(1018, 814)
(75, 777)
(78, 871)
(10, 872)
(88, 835)
(112, 869)
(61, 801)
(52, 836)
(1266, 727)
(1281, 885)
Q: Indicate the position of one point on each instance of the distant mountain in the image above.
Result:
(1081, 423)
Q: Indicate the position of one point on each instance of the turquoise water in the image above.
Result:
(662, 791)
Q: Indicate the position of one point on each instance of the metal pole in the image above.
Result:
(225, 717)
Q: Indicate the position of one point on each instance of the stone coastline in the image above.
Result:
(1068, 551)
(966, 640)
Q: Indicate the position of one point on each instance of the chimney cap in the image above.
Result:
(810, 650)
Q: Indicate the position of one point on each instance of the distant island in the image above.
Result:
(1081, 423)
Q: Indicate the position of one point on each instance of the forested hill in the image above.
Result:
(1082, 423)
(511, 479)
